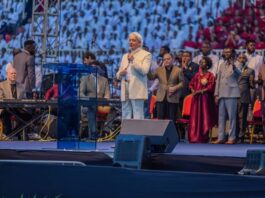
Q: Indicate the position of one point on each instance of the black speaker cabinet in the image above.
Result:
(162, 134)
(131, 151)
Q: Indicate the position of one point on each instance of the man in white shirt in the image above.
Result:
(133, 75)
(255, 61)
(206, 51)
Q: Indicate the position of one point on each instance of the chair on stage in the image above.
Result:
(102, 114)
(2, 136)
(256, 120)
(184, 121)
(152, 106)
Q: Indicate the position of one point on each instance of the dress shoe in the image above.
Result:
(3, 137)
(218, 142)
(231, 142)
(34, 136)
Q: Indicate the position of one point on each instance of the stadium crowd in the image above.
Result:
(103, 26)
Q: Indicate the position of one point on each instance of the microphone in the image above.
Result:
(129, 54)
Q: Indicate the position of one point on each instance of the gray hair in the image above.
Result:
(10, 68)
(138, 36)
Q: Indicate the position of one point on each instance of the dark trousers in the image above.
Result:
(167, 110)
(6, 117)
(263, 117)
(242, 118)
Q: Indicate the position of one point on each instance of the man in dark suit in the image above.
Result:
(189, 69)
(245, 82)
(170, 86)
(10, 89)
(24, 63)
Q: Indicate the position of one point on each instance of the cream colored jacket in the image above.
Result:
(137, 85)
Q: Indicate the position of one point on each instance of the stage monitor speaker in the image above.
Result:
(162, 134)
(131, 151)
(53, 162)
(254, 163)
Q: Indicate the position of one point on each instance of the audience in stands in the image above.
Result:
(114, 25)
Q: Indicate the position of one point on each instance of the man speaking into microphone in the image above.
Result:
(133, 72)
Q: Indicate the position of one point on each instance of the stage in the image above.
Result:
(191, 170)
(185, 157)
(236, 150)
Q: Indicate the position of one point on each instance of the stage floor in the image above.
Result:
(236, 150)
(191, 170)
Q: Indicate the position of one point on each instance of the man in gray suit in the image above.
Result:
(227, 92)
(24, 63)
(246, 82)
(10, 89)
(93, 86)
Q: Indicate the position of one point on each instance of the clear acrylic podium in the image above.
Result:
(72, 107)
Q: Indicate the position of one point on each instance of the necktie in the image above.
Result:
(14, 91)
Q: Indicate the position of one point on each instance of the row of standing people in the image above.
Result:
(224, 88)
(174, 84)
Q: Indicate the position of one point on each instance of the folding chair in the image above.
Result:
(152, 106)
(102, 114)
(1, 130)
(256, 119)
(185, 114)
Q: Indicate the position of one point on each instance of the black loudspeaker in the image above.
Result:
(131, 151)
(162, 134)
(254, 163)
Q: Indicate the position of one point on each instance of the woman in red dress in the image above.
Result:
(203, 111)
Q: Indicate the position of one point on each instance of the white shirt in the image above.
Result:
(215, 62)
(255, 61)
